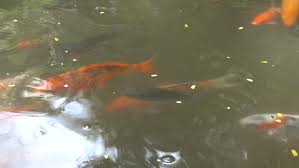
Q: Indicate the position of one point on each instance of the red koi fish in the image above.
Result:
(124, 103)
(90, 76)
(266, 17)
(290, 12)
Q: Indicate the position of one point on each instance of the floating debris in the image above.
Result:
(228, 108)
(193, 87)
(66, 51)
(186, 25)
(56, 38)
(102, 12)
(249, 80)
(11, 85)
(228, 57)
(241, 28)
(62, 64)
(245, 154)
(15, 20)
(75, 60)
(264, 62)
(154, 75)
(58, 23)
(294, 153)
(65, 85)
(106, 157)
(178, 102)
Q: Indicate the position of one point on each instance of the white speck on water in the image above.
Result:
(86, 127)
(102, 12)
(58, 23)
(15, 20)
(113, 92)
(106, 157)
(62, 64)
(193, 87)
(75, 60)
(7, 73)
(241, 28)
(178, 102)
(154, 75)
(228, 57)
(249, 80)
(228, 108)
(65, 85)
(66, 51)
(245, 154)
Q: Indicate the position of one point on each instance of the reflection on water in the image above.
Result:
(146, 84)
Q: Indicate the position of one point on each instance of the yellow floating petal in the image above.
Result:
(294, 153)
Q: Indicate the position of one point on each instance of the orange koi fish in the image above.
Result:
(90, 76)
(290, 12)
(266, 17)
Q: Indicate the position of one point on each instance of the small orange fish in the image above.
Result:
(123, 103)
(31, 43)
(290, 12)
(266, 17)
(90, 76)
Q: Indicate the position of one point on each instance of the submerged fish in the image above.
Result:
(123, 103)
(226, 81)
(146, 97)
(282, 127)
(290, 12)
(266, 17)
(90, 76)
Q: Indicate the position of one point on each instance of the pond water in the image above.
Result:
(126, 119)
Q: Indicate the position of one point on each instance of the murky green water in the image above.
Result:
(192, 41)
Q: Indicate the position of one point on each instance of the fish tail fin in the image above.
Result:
(145, 66)
(226, 81)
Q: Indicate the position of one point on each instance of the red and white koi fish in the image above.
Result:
(283, 127)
